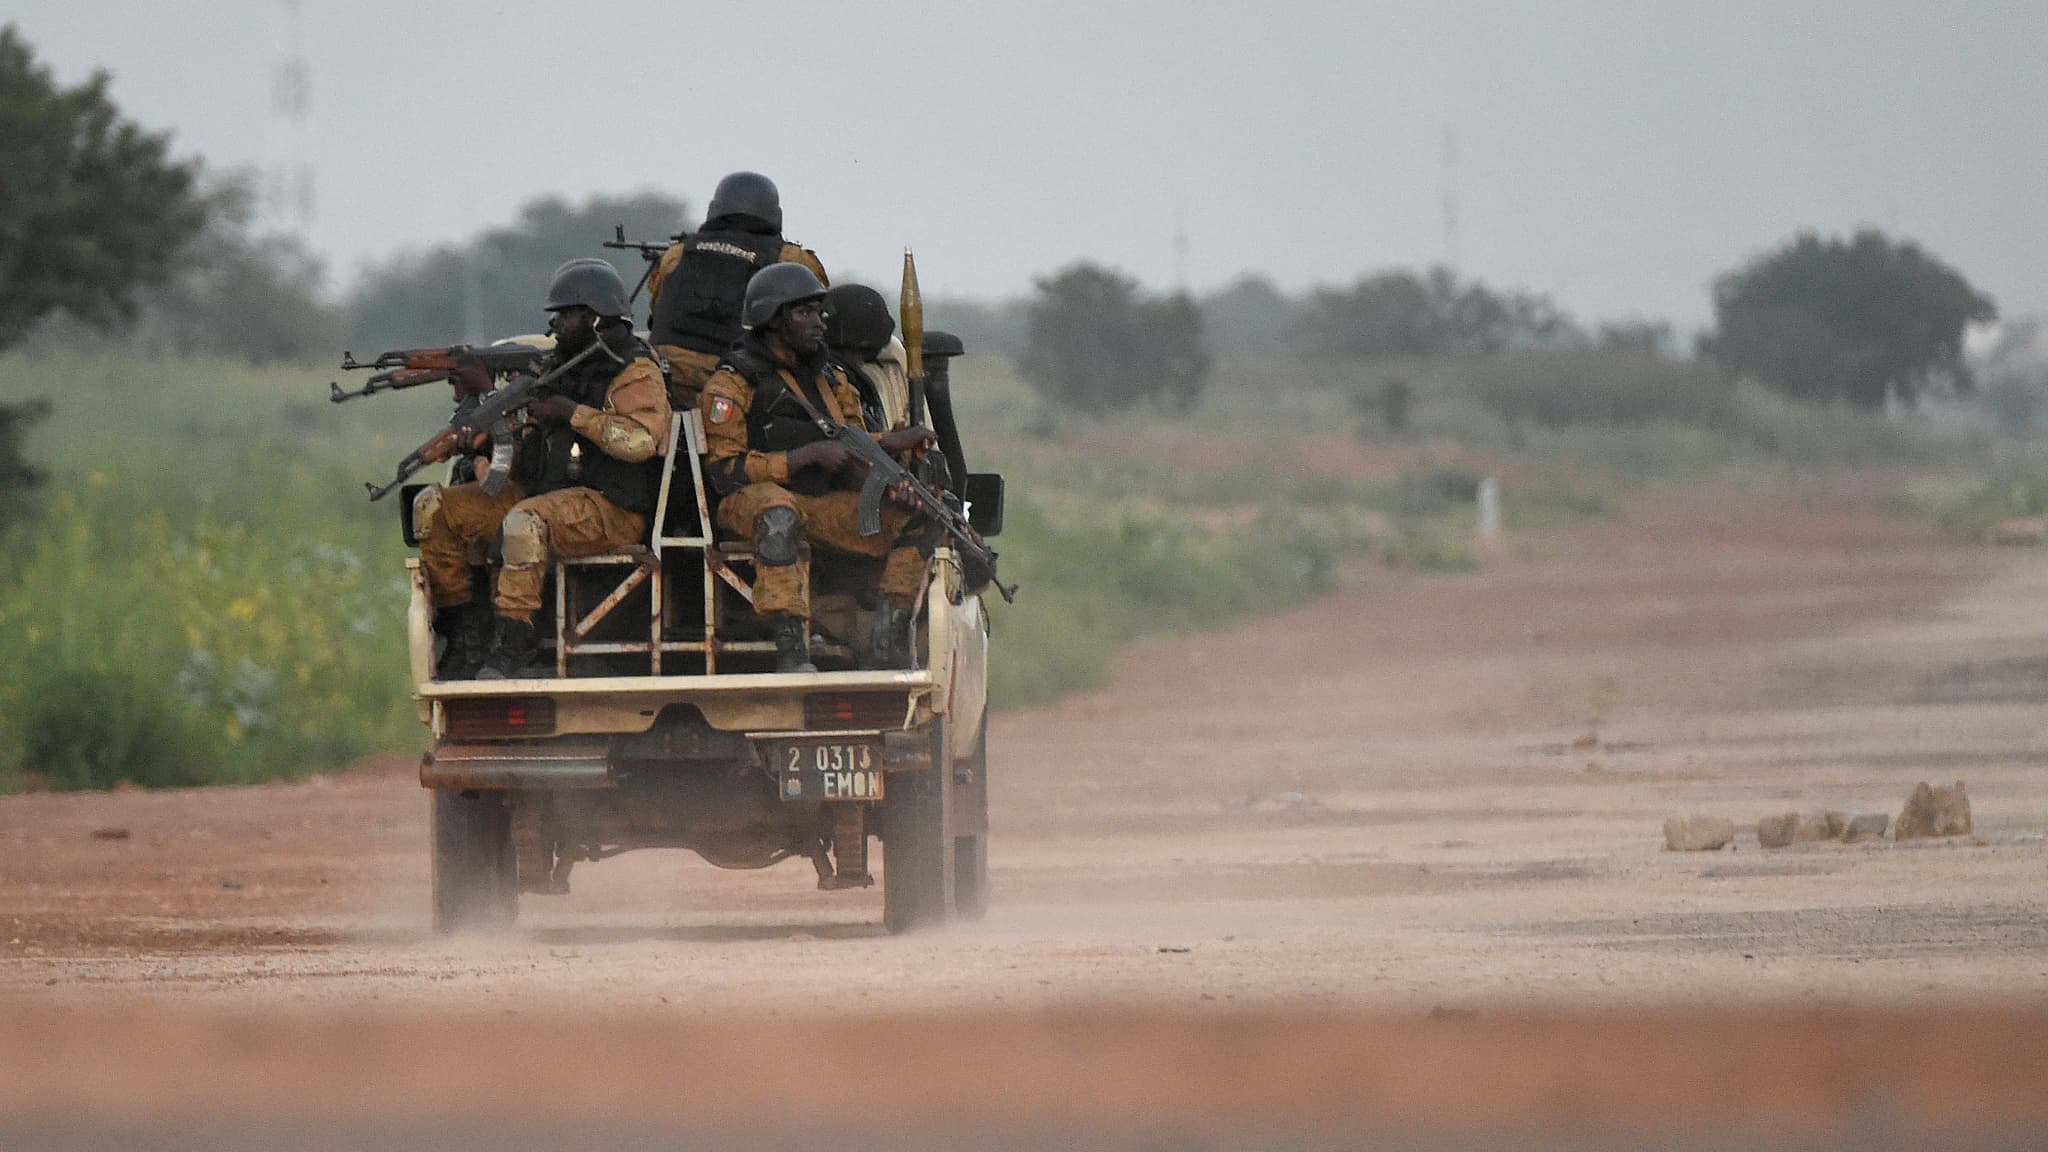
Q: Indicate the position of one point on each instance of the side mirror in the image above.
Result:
(983, 493)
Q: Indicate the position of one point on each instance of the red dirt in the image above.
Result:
(1230, 889)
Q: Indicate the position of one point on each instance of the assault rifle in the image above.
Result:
(648, 252)
(412, 367)
(885, 475)
(483, 412)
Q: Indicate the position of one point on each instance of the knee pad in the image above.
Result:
(425, 507)
(777, 536)
(525, 539)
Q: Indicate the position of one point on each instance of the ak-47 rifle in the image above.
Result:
(412, 367)
(648, 252)
(484, 412)
(886, 475)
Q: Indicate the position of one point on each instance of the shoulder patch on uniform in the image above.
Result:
(723, 409)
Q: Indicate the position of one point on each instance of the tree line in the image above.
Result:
(104, 236)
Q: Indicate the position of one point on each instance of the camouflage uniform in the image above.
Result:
(745, 463)
(561, 518)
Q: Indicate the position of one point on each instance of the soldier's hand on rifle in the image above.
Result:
(830, 455)
(905, 439)
(904, 493)
(453, 442)
(552, 409)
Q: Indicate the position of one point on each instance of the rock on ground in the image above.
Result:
(1776, 831)
(1697, 833)
(1932, 811)
(1788, 828)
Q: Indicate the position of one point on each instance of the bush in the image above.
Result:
(136, 647)
(1559, 389)
(97, 727)
(1098, 344)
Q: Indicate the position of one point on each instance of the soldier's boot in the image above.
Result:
(511, 652)
(793, 645)
(467, 630)
(889, 645)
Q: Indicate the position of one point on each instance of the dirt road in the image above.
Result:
(1426, 794)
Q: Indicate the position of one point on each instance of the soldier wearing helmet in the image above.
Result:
(697, 287)
(788, 487)
(863, 339)
(583, 480)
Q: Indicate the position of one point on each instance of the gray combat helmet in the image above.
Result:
(777, 287)
(857, 318)
(746, 194)
(591, 282)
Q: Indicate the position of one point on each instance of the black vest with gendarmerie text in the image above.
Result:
(699, 303)
(777, 420)
(555, 456)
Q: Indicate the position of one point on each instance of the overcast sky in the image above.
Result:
(1615, 154)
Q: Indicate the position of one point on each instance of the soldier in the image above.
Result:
(863, 339)
(786, 485)
(697, 287)
(583, 481)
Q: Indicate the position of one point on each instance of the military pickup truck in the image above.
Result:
(664, 724)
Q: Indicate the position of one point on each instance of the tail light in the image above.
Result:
(837, 710)
(498, 717)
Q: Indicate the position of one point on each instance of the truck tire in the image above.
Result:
(476, 882)
(970, 847)
(917, 843)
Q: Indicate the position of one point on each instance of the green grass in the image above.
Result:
(207, 596)
(1969, 503)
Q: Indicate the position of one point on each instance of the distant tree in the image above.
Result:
(92, 210)
(1634, 336)
(242, 294)
(1096, 343)
(1401, 313)
(491, 287)
(235, 293)
(998, 326)
(1248, 318)
(1854, 320)
(91, 207)
(1172, 353)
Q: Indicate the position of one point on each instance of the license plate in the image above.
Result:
(828, 769)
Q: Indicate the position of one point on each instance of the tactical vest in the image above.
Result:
(555, 456)
(777, 421)
(699, 303)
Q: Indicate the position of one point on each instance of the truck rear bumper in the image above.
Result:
(750, 702)
(553, 764)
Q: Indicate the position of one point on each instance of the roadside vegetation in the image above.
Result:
(204, 594)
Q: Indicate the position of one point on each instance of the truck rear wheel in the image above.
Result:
(476, 879)
(917, 843)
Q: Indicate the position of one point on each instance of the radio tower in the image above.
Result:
(288, 186)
